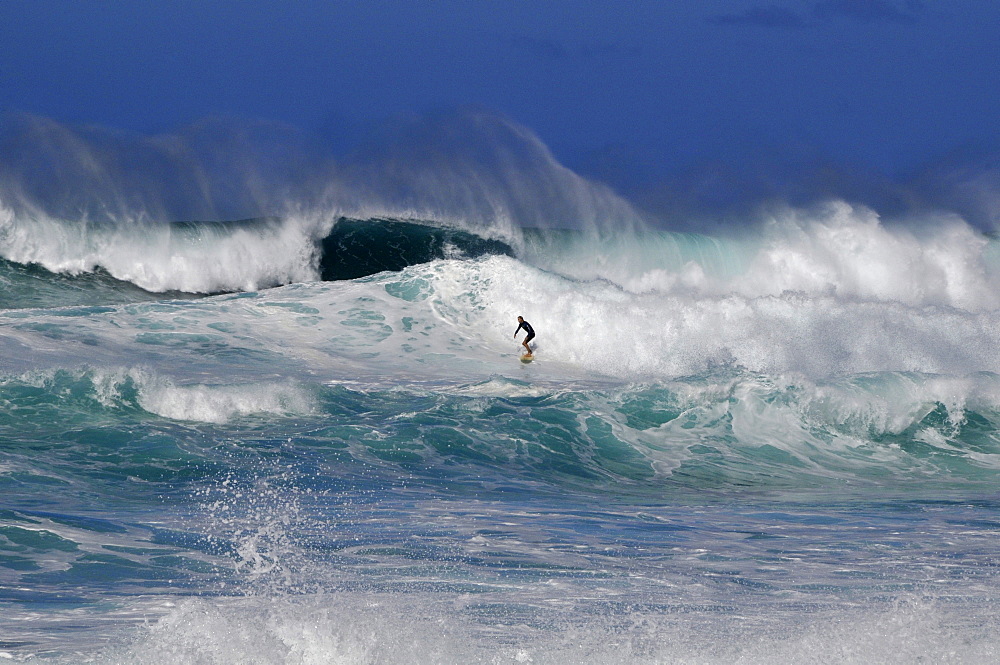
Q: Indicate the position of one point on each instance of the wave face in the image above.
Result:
(359, 248)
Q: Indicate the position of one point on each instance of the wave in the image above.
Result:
(720, 430)
(24, 286)
(194, 258)
(834, 251)
(449, 186)
(131, 390)
(121, 262)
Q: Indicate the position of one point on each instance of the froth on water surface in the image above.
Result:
(417, 629)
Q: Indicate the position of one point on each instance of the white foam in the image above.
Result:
(164, 396)
(163, 257)
(845, 251)
(356, 629)
(216, 404)
(304, 631)
(612, 331)
(209, 403)
(453, 321)
(835, 250)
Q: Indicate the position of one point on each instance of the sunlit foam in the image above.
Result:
(355, 629)
(164, 257)
(835, 250)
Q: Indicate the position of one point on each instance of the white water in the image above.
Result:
(834, 250)
(161, 257)
(824, 297)
(392, 630)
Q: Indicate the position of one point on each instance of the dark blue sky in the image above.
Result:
(879, 85)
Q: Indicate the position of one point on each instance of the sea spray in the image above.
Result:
(833, 249)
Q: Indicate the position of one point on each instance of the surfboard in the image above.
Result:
(527, 359)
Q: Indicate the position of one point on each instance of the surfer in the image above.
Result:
(521, 323)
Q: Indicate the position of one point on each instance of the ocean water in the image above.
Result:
(309, 439)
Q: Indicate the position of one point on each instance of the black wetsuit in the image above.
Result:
(528, 329)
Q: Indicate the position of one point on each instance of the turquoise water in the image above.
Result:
(780, 448)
